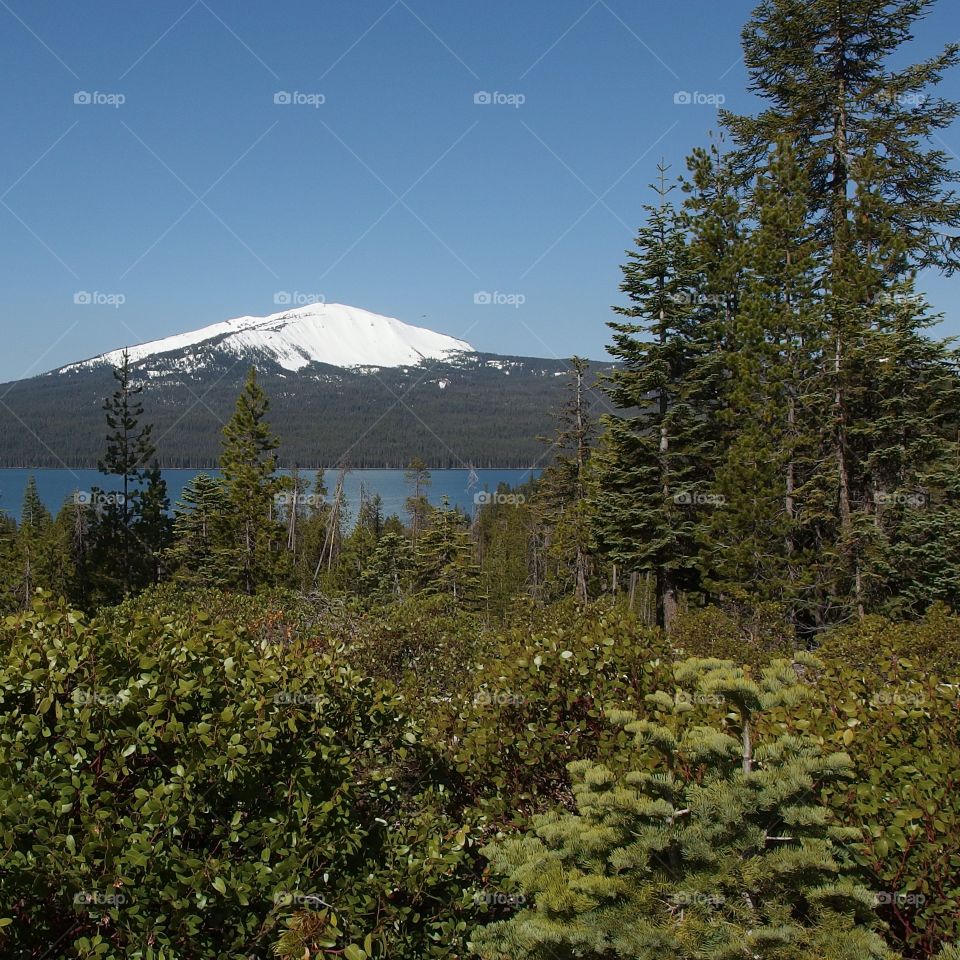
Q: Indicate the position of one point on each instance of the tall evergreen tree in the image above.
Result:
(881, 201)
(41, 557)
(562, 490)
(761, 540)
(650, 458)
(835, 85)
(8, 563)
(129, 449)
(249, 464)
(153, 527)
(418, 506)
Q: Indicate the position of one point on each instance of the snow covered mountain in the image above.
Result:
(328, 333)
(345, 385)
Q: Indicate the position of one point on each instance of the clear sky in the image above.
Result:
(178, 193)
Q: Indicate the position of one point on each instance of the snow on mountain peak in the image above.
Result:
(329, 333)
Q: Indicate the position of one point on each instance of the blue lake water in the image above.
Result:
(56, 486)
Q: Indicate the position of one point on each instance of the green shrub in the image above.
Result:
(536, 701)
(171, 787)
(898, 720)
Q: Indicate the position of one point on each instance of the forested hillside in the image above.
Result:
(480, 409)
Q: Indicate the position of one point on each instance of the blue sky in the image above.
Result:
(199, 198)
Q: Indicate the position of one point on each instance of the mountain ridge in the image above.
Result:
(334, 334)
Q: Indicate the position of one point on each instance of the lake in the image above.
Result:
(55, 486)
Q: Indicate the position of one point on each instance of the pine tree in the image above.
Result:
(760, 540)
(881, 204)
(8, 564)
(129, 450)
(562, 491)
(510, 537)
(40, 561)
(199, 526)
(418, 506)
(248, 462)
(153, 527)
(445, 561)
(388, 574)
(837, 88)
(704, 840)
(361, 545)
(649, 460)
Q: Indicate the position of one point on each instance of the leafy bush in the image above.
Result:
(754, 635)
(898, 720)
(171, 787)
(869, 646)
(536, 701)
